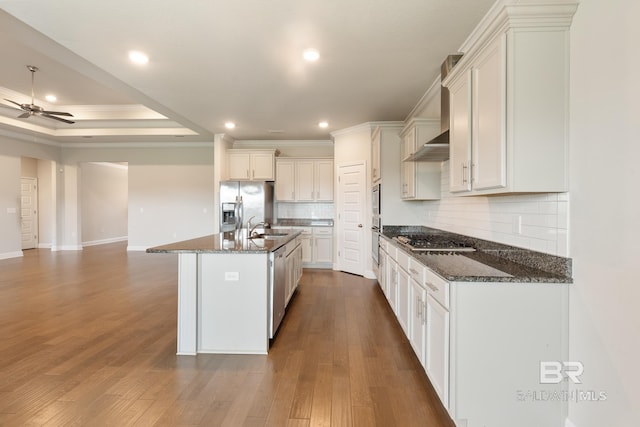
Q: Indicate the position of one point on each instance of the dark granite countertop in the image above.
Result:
(226, 243)
(491, 262)
(300, 222)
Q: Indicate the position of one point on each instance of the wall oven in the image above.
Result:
(376, 223)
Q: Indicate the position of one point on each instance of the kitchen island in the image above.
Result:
(225, 290)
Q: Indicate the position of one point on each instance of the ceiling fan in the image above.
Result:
(32, 109)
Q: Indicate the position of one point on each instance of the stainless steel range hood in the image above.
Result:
(437, 149)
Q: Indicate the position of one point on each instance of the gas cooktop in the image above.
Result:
(433, 243)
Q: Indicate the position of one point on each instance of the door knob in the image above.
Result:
(359, 225)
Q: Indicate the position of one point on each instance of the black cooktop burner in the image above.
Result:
(433, 243)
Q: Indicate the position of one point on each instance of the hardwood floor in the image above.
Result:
(89, 338)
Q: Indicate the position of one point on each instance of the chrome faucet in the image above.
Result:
(251, 229)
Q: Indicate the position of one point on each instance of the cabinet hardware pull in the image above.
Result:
(464, 173)
(424, 310)
(247, 173)
(471, 178)
(432, 287)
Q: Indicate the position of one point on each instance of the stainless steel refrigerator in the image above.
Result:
(242, 200)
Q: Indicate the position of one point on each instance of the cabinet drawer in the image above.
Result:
(323, 231)
(384, 244)
(437, 287)
(402, 259)
(305, 230)
(416, 270)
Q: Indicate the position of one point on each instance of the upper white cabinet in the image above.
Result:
(304, 180)
(285, 180)
(256, 165)
(419, 180)
(509, 116)
(375, 155)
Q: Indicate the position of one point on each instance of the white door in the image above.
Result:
(351, 215)
(29, 212)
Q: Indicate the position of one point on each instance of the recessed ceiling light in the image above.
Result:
(138, 57)
(311, 55)
(51, 98)
(230, 125)
(323, 124)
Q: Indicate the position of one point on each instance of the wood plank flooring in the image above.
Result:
(89, 338)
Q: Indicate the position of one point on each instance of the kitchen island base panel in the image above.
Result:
(223, 303)
(233, 303)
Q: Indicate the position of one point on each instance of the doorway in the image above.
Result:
(29, 212)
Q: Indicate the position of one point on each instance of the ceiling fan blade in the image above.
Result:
(58, 113)
(14, 102)
(44, 114)
(24, 115)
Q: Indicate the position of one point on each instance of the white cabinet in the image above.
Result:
(285, 180)
(375, 155)
(256, 165)
(323, 245)
(479, 339)
(509, 116)
(293, 267)
(419, 180)
(436, 357)
(304, 180)
(417, 338)
(316, 246)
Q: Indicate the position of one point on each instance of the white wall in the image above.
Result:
(171, 188)
(47, 178)
(104, 202)
(10, 240)
(605, 210)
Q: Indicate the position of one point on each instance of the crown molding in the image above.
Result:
(281, 143)
(206, 144)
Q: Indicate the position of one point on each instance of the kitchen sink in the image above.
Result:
(268, 235)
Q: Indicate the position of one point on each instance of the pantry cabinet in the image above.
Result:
(251, 165)
(509, 98)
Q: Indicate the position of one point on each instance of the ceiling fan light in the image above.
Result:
(138, 57)
(323, 124)
(230, 125)
(51, 98)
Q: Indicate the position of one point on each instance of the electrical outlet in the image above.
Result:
(231, 276)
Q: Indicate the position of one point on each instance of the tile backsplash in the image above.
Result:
(304, 210)
(533, 221)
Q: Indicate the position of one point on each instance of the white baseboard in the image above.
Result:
(45, 245)
(137, 248)
(67, 248)
(568, 423)
(105, 241)
(8, 255)
(369, 274)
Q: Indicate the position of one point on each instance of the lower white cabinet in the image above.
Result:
(481, 343)
(436, 355)
(316, 246)
(293, 267)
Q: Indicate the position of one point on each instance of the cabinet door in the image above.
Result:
(290, 277)
(382, 273)
(305, 190)
(488, 140)
(408, 182)
(239, 166)
(437, 348)
(402, 311)
(460, 134)
(392, 279)
(323, 180)
(409, 143)
(375, 156)
(262, 167)
(285, 180)
(323, 251)
(417, 296)
(306, 247)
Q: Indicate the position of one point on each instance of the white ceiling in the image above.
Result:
(214, 61)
